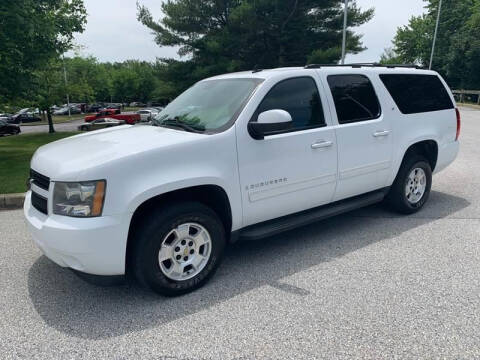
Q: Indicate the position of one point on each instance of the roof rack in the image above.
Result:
(359, 65)
(256, 69)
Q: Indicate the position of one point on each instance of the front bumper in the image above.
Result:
(92, 245)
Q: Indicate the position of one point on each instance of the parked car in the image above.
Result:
(101, 124)
(137, 104)
(94, 108)
(114, 114)
(8, 129)
(24, 117)
(114, 106)
(74, 109)
(147, 114)
(33, 111)
(7, 117)
(240, 156)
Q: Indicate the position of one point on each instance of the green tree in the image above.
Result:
(389, 56)
(47, 88)
(457, 50)
(87, 79)
(32, 33)
(231, 35)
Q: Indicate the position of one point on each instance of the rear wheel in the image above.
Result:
(178, 248)
(411, 188)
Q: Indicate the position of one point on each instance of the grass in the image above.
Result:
(131, 109)
(15, 155)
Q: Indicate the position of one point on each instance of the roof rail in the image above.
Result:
(256, 69)
(359, 65)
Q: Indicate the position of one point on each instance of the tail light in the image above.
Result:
(459, 124)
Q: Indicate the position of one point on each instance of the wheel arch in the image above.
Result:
(427, 148)
(213, 196)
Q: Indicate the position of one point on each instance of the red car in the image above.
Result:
(114, 114)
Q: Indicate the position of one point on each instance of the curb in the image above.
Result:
(11, 201)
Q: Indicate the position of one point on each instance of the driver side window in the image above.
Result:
(300, 98)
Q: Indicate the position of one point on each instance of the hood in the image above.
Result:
(71, 158)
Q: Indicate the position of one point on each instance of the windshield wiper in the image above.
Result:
(175, 122)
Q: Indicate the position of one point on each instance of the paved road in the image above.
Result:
(63, 127)
(369, 284)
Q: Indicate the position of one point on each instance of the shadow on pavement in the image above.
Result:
(79, 309)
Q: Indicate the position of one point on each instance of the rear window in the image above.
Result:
(417, 93)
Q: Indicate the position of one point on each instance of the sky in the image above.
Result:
(113, 33)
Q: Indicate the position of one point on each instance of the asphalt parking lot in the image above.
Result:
(65, 127)
(368, 284)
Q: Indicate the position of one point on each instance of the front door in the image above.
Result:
(292, 171)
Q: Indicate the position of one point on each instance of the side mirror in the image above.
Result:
(270, 122)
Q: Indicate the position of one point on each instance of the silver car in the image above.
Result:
(101, 123)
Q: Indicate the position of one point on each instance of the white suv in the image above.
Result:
(239, 156)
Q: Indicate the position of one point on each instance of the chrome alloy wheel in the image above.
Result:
(185, 251)
(416, 185)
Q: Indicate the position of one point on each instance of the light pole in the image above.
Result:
(66, 89)
(345, 14)
(435, 35)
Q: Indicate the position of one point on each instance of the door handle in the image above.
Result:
(321, 144)
(381, 133)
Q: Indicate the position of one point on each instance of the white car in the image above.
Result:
(147, 114)
(239, 156)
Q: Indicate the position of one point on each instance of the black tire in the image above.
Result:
(150, 234)
(397, 198)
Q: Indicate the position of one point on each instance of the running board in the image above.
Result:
(289, 222)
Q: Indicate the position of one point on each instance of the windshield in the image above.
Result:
(208, 105)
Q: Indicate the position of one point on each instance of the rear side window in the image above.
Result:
(300, 98)
(417, 93)
(354, 97)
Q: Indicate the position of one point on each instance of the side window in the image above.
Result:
(354, 97)
(417, 93)
(300, 98)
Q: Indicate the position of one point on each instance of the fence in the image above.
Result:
(467, 95)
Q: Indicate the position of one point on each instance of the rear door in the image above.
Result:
(363, 132)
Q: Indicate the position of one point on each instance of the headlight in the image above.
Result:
(82, 199)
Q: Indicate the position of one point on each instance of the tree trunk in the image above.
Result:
(51, 130)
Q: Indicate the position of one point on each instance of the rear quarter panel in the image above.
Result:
(409, 129)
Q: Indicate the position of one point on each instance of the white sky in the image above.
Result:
(114, 34)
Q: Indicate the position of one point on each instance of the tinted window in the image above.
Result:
(300, 98)
(354, 97)
(417, 93)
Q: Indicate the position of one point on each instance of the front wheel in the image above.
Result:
(411, 188)
(178, 248)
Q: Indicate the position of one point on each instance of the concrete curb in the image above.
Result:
(11, 201)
